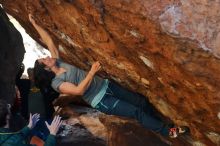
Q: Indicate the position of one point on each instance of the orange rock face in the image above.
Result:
(167, 50)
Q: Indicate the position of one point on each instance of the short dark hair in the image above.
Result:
(30, 70)
(3, 112)
(20, 71)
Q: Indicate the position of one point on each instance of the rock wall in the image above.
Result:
(11, 56)
(167, 50)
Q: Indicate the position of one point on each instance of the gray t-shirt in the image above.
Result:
(75, 75)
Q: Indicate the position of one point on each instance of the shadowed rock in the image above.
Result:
(11, 56)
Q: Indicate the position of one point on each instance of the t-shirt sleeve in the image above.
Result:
(56, 82)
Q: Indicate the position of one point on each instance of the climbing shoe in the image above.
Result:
(177, 131)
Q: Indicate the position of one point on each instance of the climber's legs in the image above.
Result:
(114, 106)
(133, 98)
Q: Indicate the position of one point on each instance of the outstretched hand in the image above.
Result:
(33, 120)
(95, 67)
(55, 125)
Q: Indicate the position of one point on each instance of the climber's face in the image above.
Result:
(48, 61)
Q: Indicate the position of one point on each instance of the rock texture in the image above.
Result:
(87, 127)
(11, 56)
(167, 50)
(82, 128)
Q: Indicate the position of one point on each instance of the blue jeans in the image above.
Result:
(122, 102)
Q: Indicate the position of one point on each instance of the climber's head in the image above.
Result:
(42, 73)
(48, 62)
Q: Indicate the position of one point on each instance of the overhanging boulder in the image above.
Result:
(163, 50)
